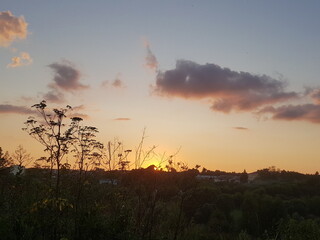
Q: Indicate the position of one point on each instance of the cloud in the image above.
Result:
(304, 112)
(11, 28)
(66, 77)
(315, 95)
(78, 108)
(105, 84)
(240, 128)
(76, 112)
(54, 96)
(26, 99)
(228, 90)
(7, 108)
(122, 119)
(309, 112)
(23, 59)
(116, 83)
(150, 59)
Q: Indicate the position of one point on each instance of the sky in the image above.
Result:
(229, 85)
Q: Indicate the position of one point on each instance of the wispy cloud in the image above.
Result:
(23, 59)
(241, 128)
(54, 96)
(105, 84)
(66, 77)
(303, 112)
(150, 59)
(228, 90)
(8, 108)
(122, 119)
(314, 94)
(78, 108)
(116, 83)
(11, 28)
(26, 99)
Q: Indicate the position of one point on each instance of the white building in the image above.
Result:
(17, 170)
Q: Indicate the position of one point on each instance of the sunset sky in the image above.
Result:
(234, 84)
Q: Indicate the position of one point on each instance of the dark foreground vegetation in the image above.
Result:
(100, 198)
(149, 204)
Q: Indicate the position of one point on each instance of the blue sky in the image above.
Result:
(264, 37)
(106, 40)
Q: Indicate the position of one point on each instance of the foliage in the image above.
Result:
(149, 204)
(115, 156)
(244, 177)
(21, 157)
(5, 159)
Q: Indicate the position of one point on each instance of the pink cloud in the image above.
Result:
(122, 119)
(23, 59)
(11, 28)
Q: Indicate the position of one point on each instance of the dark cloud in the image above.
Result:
(66, 77)
(7, 108)
(228, 90)
(240, 128)
(304, 112)
(122, 119)
(11, 28)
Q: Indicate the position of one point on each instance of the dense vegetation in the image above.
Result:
(149, 204)
(100, 198)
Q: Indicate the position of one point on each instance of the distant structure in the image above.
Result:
(252, 176)
(109, 181)
(205, 177)
(220, 178)
(17, 170)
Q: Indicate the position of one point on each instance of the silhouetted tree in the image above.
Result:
(197, 166)
(5, 159)
(87, 150)
(50, 131)
(21, 157)
(204, 170)
(142, 155)
(115, 156)
(244, 177)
